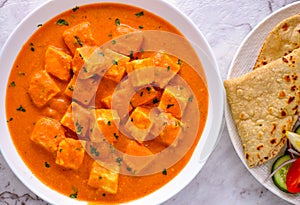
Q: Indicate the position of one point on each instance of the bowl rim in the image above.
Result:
(210, 134)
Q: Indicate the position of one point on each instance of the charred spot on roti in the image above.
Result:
(294, 76)
(290, 99)
(293, 88)
(281, 94)
(247, 156)
(273, 128)
(273, 141)
(285, 60)
(285, 27)
(283, 113)
(287, 78)
(259, 147)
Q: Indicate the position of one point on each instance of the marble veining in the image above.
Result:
(224, 179)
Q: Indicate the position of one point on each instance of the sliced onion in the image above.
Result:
(296, 125)
(289, 147)
(293, 152)
(279, 167)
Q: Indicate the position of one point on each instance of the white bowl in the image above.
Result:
(163, 9)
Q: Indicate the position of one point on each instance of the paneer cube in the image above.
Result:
(137, 156)
(127, 40)
(81, 56)
(84, 90)
(108, 122)
(58, 63)
(139, 124)
(171, 129)
(48, 133)
(70, 87)
(77, 119)
(70, 153)
(174, 100)
(140, 72)
(143, 96)
(42, 88)
(165, 69)
(104, 179)
(117, 70)
(121, 98)
(78, 36)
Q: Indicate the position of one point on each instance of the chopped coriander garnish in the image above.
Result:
(40, 25)
(170, 105)
(78, 41)
(109, 35)
(75, 8)
(129, 169)
(116, 136)
(113, 42)
(191, 99)
(32, 47)
(141, 27)
(78, 128)
(155, 100)
(139, 14)
(10, 119)
(71, 88)
(47, 165)
(13, 84)
(131, 55)
(85, 70)
(101, 54)
(179, 62)
(117, 22)
(62, 22)
(115, 62)
(94, 151)
(169, 68)
(21, 108)
(109, 123)
(119, 160)
(164, 172)
(141, 94)
(74, 195)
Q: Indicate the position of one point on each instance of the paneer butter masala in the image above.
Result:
(90, 108)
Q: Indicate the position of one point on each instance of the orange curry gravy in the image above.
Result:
(22, 114)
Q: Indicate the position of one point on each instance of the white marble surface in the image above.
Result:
(224, 179)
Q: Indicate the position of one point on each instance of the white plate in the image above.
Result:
(242, 63)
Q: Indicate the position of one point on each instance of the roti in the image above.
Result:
(264, 105)
(282, 40)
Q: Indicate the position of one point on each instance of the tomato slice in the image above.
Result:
(293, 177)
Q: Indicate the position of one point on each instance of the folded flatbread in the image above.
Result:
(264, 105)
(282, 40)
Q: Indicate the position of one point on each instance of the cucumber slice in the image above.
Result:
(297, 130)
(279, 178)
